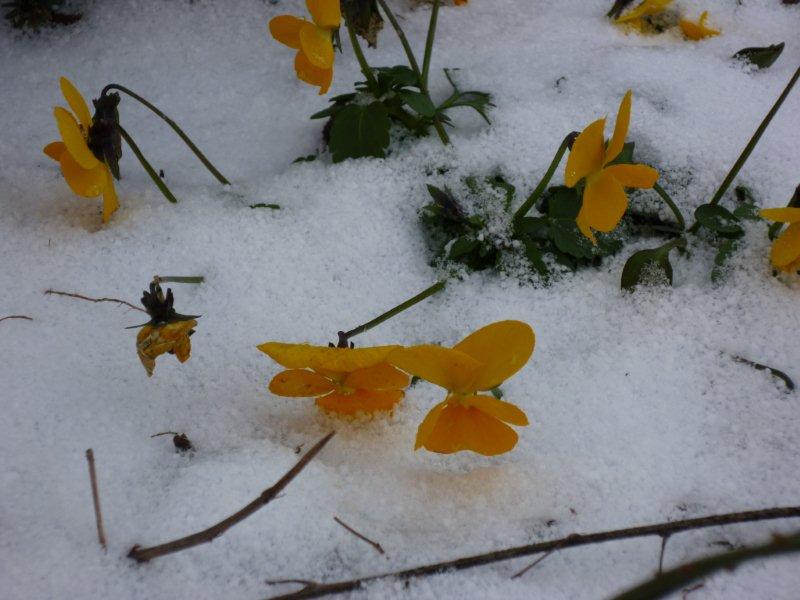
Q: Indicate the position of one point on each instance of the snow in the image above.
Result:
(638, 412)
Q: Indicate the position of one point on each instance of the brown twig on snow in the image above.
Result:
(82, 297)
(360, 536)
(575, 539)
(140, 554)
(98, 515)
(16, 317)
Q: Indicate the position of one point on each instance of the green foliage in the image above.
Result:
(360, 131)
(639, 266)
(762, 57)
(35, 14)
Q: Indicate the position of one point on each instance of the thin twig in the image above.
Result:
(774, 372)
(82, 297)
(572, 540)
(664, 540)
(306, 583)
(533, 564)
(16, 317)
(207, 535)
(98, 515)
(360, 536)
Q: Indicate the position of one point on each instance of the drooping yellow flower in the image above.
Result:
(467, 420)
(343, 380)
(785, 253)
(313, 41)
(698, 31)
(86, 174)
(604, 197)
(648, 8)
(153, 340)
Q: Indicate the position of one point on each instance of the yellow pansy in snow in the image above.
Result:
(648, 8)
(698, 31)
(785, 253)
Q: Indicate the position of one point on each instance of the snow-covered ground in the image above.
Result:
(638, 412)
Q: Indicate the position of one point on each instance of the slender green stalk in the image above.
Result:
(536, 193)
(426, 61)
(436, 287)
(150, 171)
(174, 126)
(178, 279)
(672, 206)
(362, 61)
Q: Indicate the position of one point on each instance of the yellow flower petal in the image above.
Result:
(586, 156)
(428, 423)
(76, 102)
(633, 176)
(286, 29)
(311, 74)
(73, 138)
(326, 13)
(88, 183)
(697, 31)
(502, 348)
(604, 202)
(111, 204)
(342, 360)
(786, 249)
(380, 377)
(153, 341)
(360, 401)
(448, 368)
(783, 215)
(505, 411)
(646, 8)
(300, 383)
(467, 428)
(316, 45)
(54, 150)
(620, 129)
(583, 225)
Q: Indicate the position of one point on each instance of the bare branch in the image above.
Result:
(98, 515)
(360, 536)
(16, 317)
(82, 297)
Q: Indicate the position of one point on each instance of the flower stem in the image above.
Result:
(174, 126)
(362, 61)
(150, 171)
(436, 287)
(536, 193)
(672, 206)
(178, 279)
(426, 61)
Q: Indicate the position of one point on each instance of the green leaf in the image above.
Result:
(307, 158)
(359, 131)
(635, 265)
(569, 239)
(563, 203)
(397, 76)
(479, 101)
(533, 227)
(626, 156)
(448, 206)
(747, 211)
(263, 205)
(499, 183)
(338, 103)
(719, 220)
(534, 256)
(724, 252)
(419, 103)
(761, 57)
(462, 246)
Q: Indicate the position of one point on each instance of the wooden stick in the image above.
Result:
(201, 537)
(82, 297)
(572, 540)
(360, 536)
(98, 515)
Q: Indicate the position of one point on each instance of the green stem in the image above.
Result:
(672, 206)
(536, 193)
(178, 279)
(173, 125)
(372, 83)
(436, 287)
(150, 171)
(426, 61)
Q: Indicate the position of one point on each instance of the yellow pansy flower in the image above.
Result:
(785, 253)
(648, 8)
(343, 380)
(604, 197)
(86, 174)
(313, 41)
(467, 420)
(153, 340)
(698, 31)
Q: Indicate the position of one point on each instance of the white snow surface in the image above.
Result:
(638, 413)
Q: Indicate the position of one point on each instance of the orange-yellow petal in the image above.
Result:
(467, 428)
(502, 348)
(786, 249)
(620, 129)
(54, 150)
(88, 183)
(300, 383)
(585, 229)
(360, 401)
(633, 176)
(342, 360)
(326, 13)
(783, 215)
(311, 74)
(428, 423)
(604, 202)
(111, 203)
(448, 368)
(697, 31)
(505, 411)
(73, 139)
(76, 102)
(316, 45)
(379, 377)
(646, 8)
(286, 29)
(586, 156)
